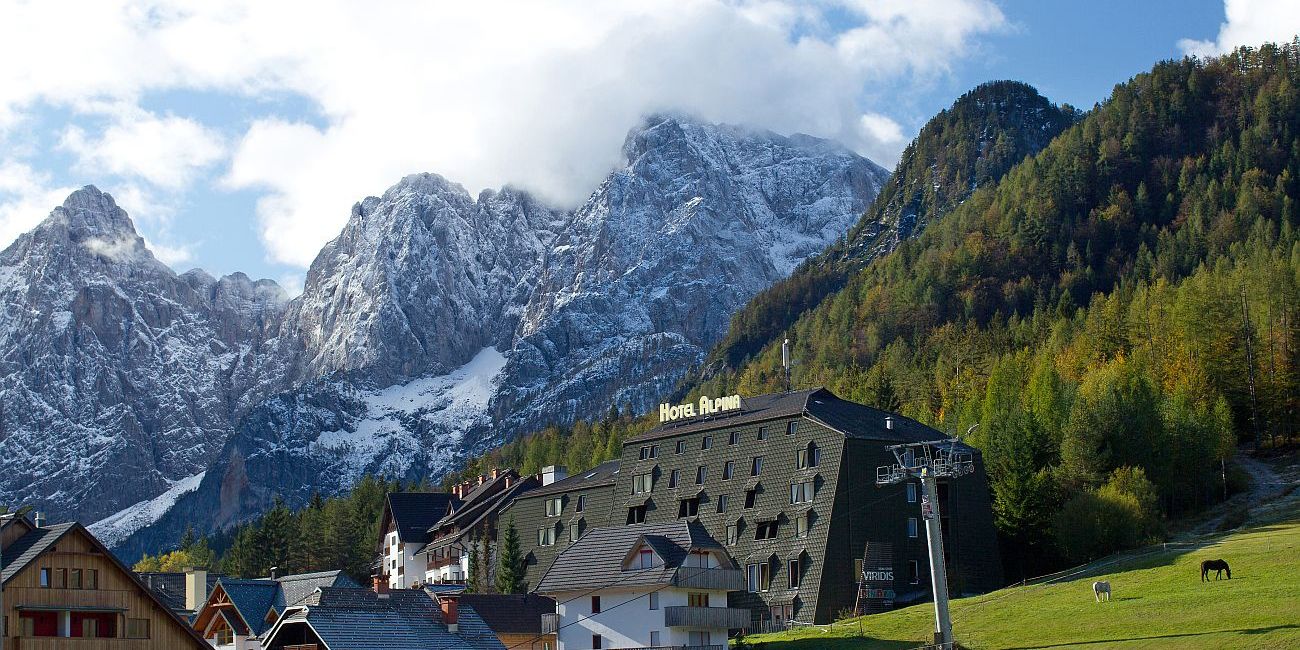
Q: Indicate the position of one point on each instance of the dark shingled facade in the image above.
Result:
(787, 479)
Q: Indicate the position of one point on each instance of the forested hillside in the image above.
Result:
(966, 146)
(1105, 320)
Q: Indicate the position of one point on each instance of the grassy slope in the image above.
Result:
(1159, 602)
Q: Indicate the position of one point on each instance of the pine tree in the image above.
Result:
(473, 579)
(510, 573)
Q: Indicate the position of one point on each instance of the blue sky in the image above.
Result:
(239, 137)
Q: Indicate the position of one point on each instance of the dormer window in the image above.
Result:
(642, 483)
(688, 508)
(645, 559)
(791, 427)
(554, 506)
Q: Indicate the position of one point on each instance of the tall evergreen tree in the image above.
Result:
(510, 572)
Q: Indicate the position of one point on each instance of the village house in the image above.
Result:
(645, 586)
(471, 519)
(404, 530)
(517, 620)
(238, 611)
(63, 589)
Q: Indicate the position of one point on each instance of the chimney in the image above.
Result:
(889, 422)
(275, 572)
(38, 518)
(196, 588)
(496, 473)
(482, 479)
(448, 603)
(381, 585)
(553, 473)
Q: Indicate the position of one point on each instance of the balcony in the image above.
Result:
(550, 623)
(689, 577)
(438, 563)
(724, 618)
(72, 643)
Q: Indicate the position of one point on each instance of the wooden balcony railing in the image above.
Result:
(688, 577)
(726, 618)
(550, 623)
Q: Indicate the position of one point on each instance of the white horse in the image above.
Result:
(1101, 587)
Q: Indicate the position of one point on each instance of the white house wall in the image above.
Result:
(626, 620)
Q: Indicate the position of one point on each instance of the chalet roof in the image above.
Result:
(597, 557)
(603, 474)
(294, 588)
(254, 597)
(358, 619)
(849, 418)
(471, 514)
(416, 512)
(510, 613)
(27, 548)
(169, 586)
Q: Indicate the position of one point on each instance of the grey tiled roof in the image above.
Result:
(169, 586)
(596, 559)
(252, 599)
(294, 588)
(27, 548)
(602, 474)
(358, 619)
(510, 613)
(849, 418)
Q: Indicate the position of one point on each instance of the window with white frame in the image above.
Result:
(911, 526)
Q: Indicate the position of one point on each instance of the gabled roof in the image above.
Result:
(169, 586)
(294, 588)
(416, 512)
(471, 514)
(27, 548)
(253, 598)
(358, 619)
(597, 558)
(600, 475)
(510, 613)
(849, 418)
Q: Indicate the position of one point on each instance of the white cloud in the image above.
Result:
(1249, 22)
(172, 256)
(26, 198)
(166, 151)
(538, 95)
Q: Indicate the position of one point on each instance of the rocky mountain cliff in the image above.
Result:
(435, 325)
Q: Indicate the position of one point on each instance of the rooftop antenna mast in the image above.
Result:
(931, 461)
(785, 363)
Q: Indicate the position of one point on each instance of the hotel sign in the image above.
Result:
(706, 406)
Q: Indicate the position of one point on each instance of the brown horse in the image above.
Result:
(1218, 566)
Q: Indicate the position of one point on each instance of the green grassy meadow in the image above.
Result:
(1159, 602)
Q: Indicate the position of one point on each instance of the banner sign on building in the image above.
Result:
(876, 578)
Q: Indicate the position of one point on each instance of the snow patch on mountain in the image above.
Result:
(113, 529)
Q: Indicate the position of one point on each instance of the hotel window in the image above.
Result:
(546, 536)
(722, 502)
(801, 492)
(701, 473)
(756, 466)
(642, 483)
(792, 427)
(654, 451)
(648, 452)
(582, 503)
(688, 508)
(697, 599)
(554, 506)
(796, 573)
(765, 576)
(911, 526)
(654, 600)
(762, 433)
(911, 493)
(595, 604)
(751, 578)
(706, 442)
(808, 457)
(733, 534)
(137, 628)
(45, 577)
(733, 438)
(575, 531)
(750, 495)
(672, 478)
(728, 470)
(636, 515)
(913, 571)
(74, 579)
(801, 525)
(765, 530)
(681, 446)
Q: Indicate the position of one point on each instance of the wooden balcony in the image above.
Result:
(688, 577)
(724, 618)
(76, 643)
(550, 623)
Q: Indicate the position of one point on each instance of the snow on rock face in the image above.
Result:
(113, 529)
(117, 376)
(436, 325)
